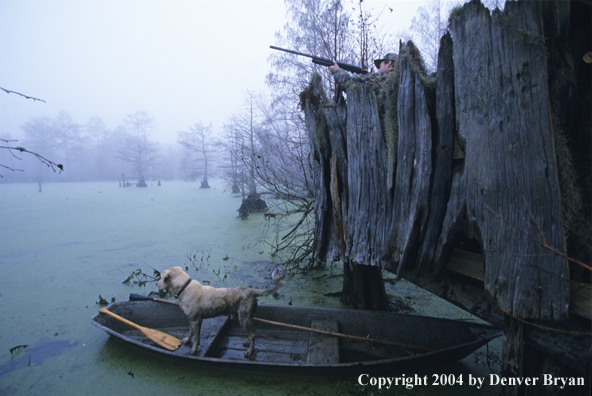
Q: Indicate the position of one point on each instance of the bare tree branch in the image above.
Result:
(12, 149)
(20, 94)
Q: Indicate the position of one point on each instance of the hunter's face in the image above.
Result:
(386, 66)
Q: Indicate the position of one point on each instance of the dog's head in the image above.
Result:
(172, 279)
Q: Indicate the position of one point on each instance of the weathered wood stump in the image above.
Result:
(141, 183)
(204, 183)
(251, 204)
(488, 153)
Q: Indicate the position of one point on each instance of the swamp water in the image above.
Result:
(62, 248)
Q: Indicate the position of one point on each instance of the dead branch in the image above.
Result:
(20, 94)
(47, 162)
(543, 243)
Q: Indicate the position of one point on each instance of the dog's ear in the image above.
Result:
(167, 276)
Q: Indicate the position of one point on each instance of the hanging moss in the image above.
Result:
(316, 96)
(388, 102)
(454, 15)
(415, 58)
(321, 131)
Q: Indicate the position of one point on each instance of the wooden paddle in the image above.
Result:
(334, 334)
(139, 297)
(164, 340)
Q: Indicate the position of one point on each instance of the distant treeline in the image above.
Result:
(92, 152)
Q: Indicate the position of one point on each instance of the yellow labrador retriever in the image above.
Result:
(200, 302)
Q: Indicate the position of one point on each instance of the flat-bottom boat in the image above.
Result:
(425, 342)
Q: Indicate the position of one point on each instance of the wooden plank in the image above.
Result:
(323, 349)
(467, 263)
(213, 328)
(270, 334)
(268, 345)
(285, 347)
(263, 356)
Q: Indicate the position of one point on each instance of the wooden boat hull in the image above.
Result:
(289, 351)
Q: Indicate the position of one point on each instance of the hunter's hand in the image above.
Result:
(334, 67)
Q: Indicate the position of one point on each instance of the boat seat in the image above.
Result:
(323, 349)
(212, 332)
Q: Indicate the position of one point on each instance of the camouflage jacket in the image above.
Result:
(341, 77)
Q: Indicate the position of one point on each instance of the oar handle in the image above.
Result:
(140, 297)
(334, 334)
(107, 312)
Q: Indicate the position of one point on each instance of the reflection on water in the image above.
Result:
(61, 249)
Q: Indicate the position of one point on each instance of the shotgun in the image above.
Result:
(324, 61)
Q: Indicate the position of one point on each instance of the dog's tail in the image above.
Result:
(267, 292)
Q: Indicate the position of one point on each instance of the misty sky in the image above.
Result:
(181, 61)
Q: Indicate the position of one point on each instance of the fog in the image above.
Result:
(182, 61)
(93, 64)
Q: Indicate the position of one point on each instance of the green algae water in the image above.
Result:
(62, 248)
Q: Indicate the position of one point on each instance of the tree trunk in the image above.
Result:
(347, 144)
(507, 183)
(414, 164)
(363, 287)
(496, 152)
(141, 182)
(368, 228)
(204, 183)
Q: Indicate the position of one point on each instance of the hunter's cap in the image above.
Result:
(388, 57)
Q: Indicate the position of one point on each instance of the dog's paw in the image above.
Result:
(246, 343)
(248, 353)
(186, 340)
(193, 350)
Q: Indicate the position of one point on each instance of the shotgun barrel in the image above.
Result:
(323, 61)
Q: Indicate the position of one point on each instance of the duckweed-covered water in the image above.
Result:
(62, 248)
